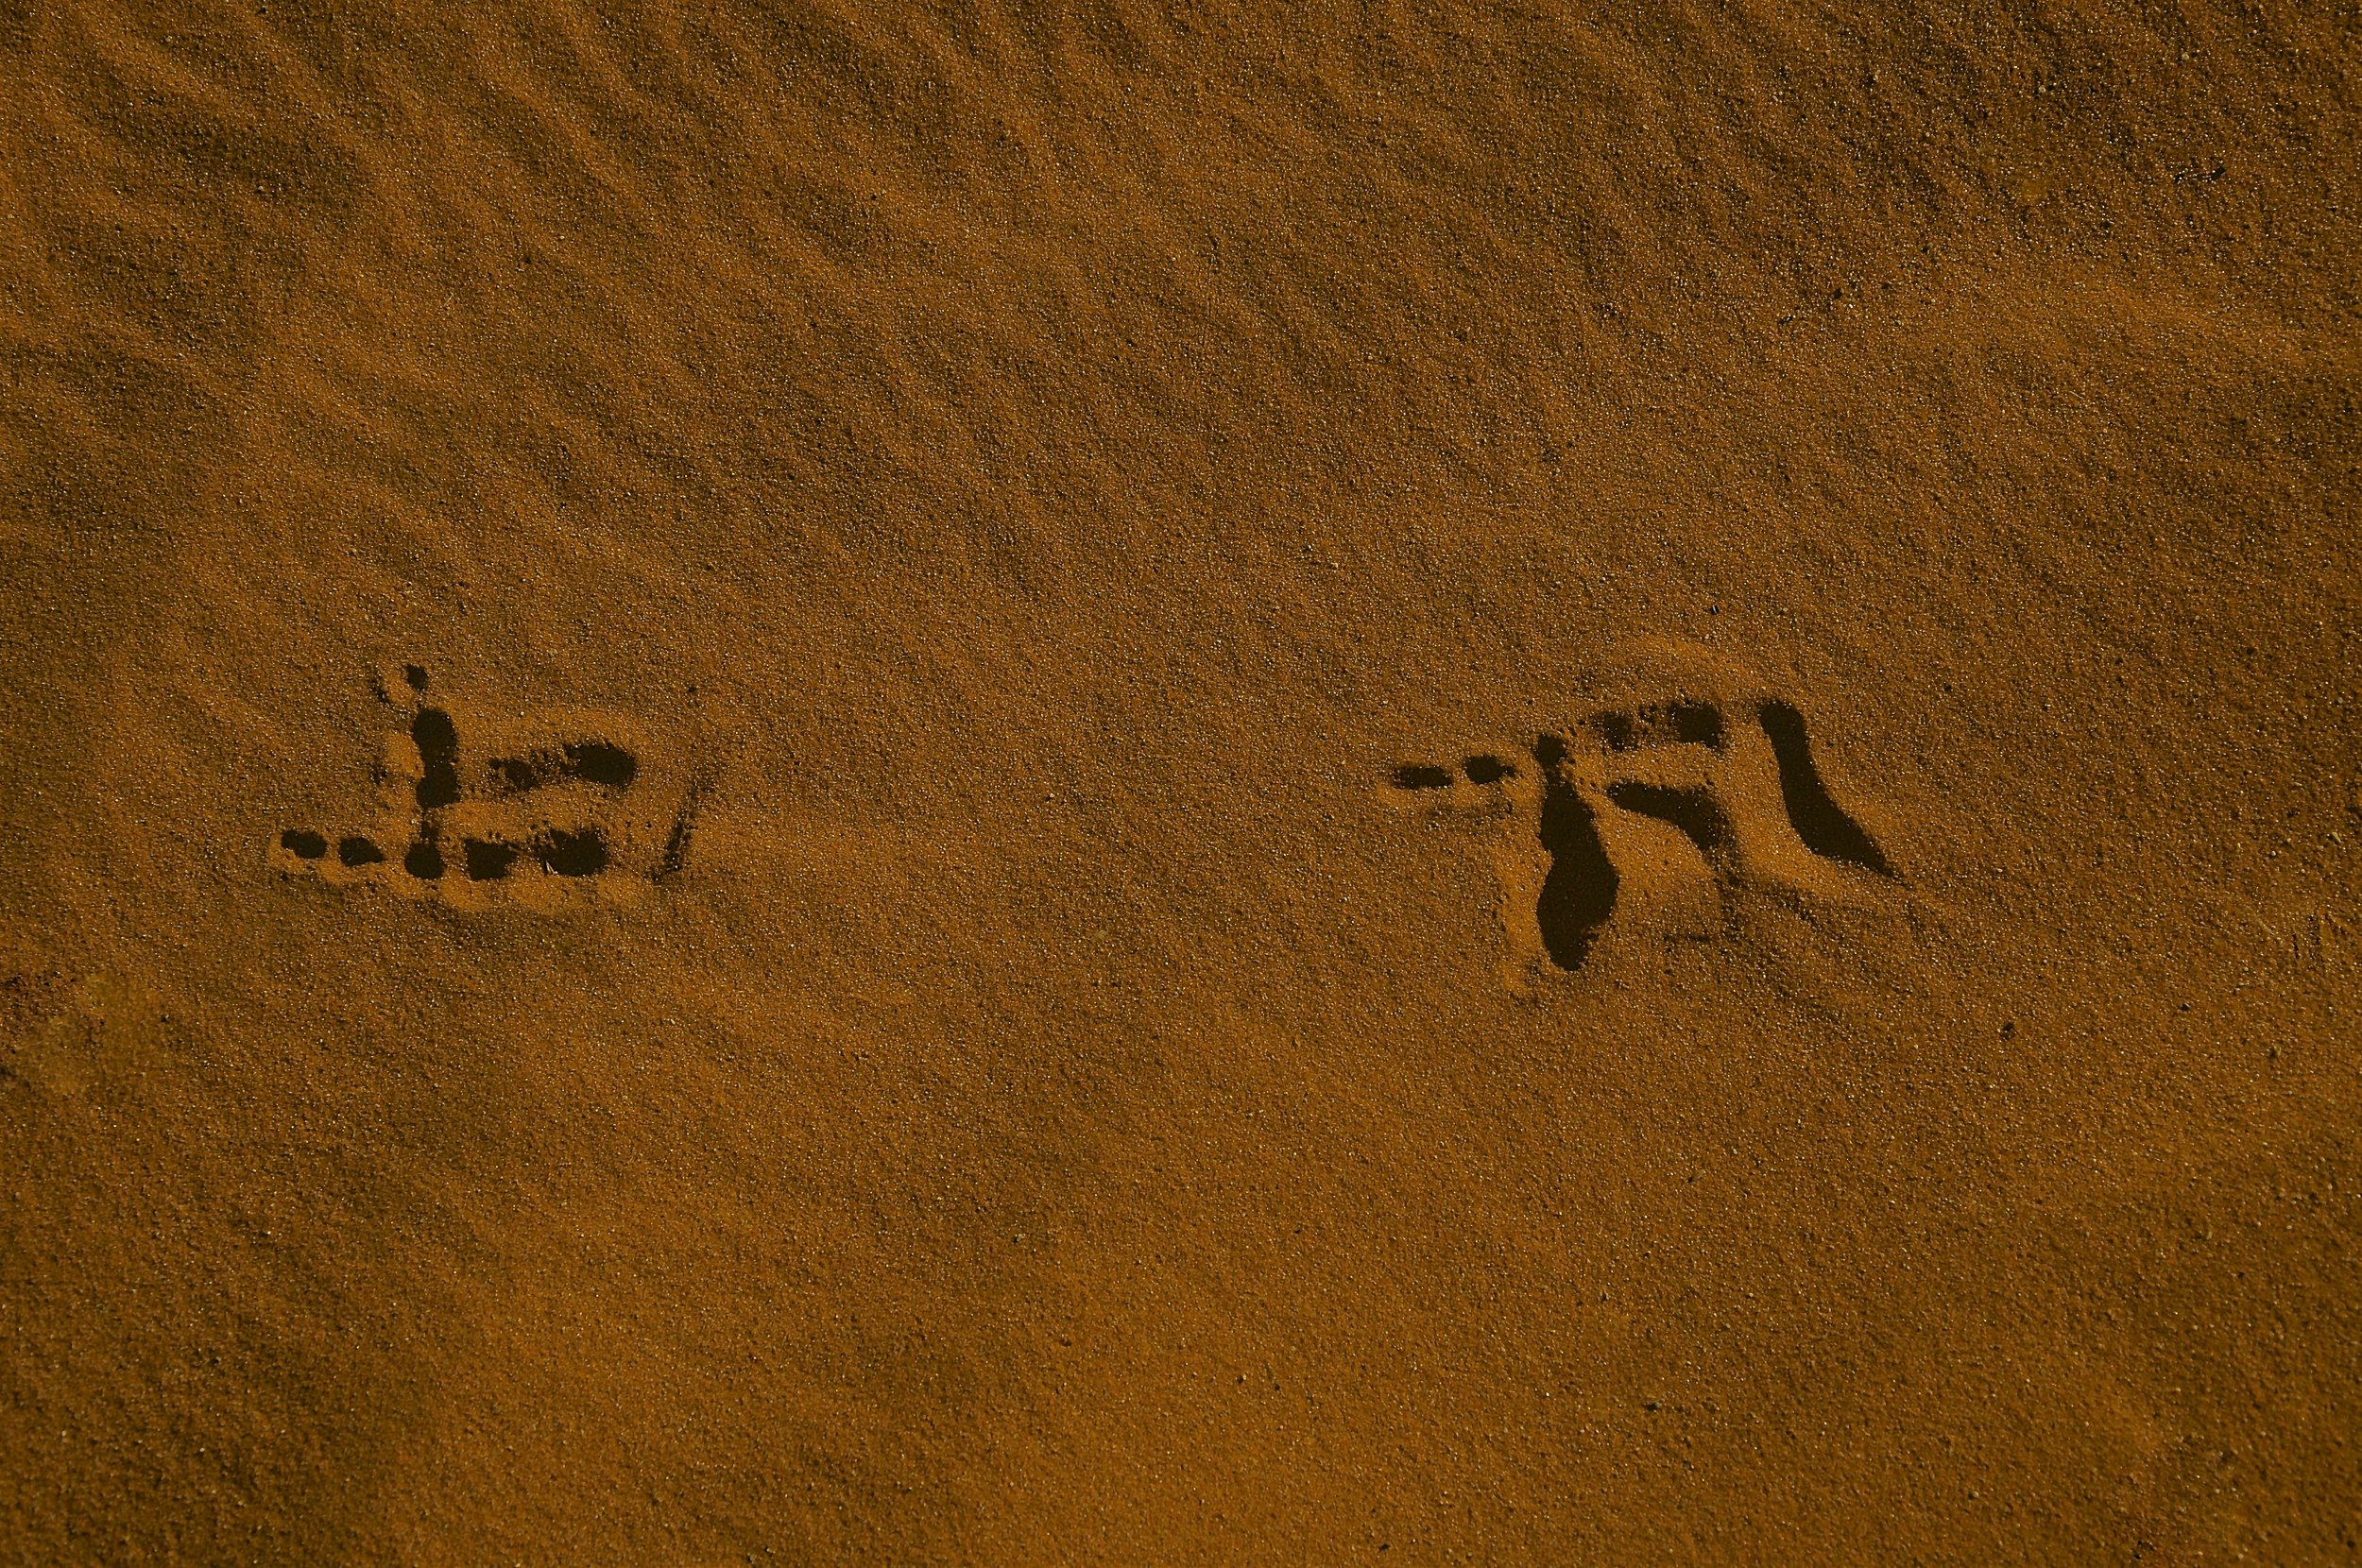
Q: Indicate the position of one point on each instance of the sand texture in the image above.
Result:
(1008, 783)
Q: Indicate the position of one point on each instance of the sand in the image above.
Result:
(1107, 783)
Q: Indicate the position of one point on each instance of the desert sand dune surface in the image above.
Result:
(1118, 783)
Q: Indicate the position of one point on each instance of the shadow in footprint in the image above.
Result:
(572, 854)
(676, 853)
(1669, 724)
(438, 740)
(599, 762)
(487, 860)
(1694, 811)
(1579, 892)
(1824, 826)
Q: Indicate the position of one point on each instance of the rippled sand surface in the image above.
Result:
(1127, 783)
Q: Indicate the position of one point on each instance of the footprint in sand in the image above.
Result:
(477, 809)
(1686, 780)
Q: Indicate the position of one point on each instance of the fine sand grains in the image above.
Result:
(800, 781)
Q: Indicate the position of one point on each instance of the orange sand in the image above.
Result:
(975, 1007)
